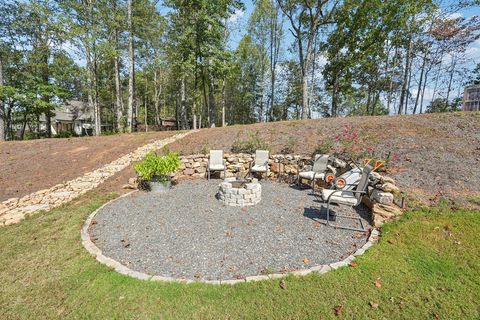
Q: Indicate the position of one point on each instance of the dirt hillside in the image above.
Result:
(29, 166)
(439, 154)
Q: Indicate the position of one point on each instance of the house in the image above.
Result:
(74, 116)
(471, 98)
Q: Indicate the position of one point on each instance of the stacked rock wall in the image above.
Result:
(382, 191)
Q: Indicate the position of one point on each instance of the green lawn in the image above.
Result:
(428, 265)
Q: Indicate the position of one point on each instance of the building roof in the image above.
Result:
(72, 110)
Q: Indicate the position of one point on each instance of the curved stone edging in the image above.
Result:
(120, 268)
(14, 210)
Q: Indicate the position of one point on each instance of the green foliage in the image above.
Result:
(475, 200)
(441, 105)
(427, 264)
(155, 165)
(324, 147)
(290, 145)
(66, 134)
(253, 142)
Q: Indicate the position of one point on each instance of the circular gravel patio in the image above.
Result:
(187, 233)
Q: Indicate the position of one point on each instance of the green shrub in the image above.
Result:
(290, 145)
(324, 147)
(154, 165)
(66, 134)
(30, 136)
(252, 143)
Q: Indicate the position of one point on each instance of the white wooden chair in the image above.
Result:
(318, 171)
(216, 163)
(260, 164)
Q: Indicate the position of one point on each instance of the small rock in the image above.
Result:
(389, 187)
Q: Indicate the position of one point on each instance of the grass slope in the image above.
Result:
(427, 263)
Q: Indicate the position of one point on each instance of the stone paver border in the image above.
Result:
(120, 268)
(14, 210)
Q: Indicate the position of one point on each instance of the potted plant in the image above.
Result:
(155, 170)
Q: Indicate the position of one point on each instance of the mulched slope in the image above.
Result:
(439, 153)
(29, 166)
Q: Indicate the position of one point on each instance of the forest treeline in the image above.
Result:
(138, 61)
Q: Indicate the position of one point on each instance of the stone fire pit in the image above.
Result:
(239, 192)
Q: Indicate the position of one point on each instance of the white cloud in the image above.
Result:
(233, 19)
(455, 15)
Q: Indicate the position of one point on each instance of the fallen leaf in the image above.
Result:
(125, 243)
(94, 222)
(377, 283)
(232, 268)
(374, 305)
(229, 233)
(197, 275)
(283, 284)
(353, 264)
(306, 260)
(244, 209)
(238, 276)
(338, 310)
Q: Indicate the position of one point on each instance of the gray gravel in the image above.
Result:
(186, 232)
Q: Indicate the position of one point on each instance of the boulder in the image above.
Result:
(276, 167)
(200, 170)
(382, 197)
(385, 211)
(188, 172)
(389, 187)
(387, 180)
(339, 163)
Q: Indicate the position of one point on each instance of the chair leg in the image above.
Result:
(209, 174)
(361, 229)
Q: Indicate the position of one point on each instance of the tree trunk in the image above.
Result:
(334, 96)
(223, 103)
(183, 105)
(131, 69)
(454, 63)
(305, 106)
(423, 90)
(2, 106)
(97, 113)
(145, 102)
(207, 105)
(405, 77)
(24, 124)
(118, 87)
(211, 101)
(420, 82)
(156, 97)
(390, 87)
(194, 116)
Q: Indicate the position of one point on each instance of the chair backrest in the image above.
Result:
(363, 183)
(216, 157)
(261, 157)
(320, 163)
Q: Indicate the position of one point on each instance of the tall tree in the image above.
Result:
(306, 18)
